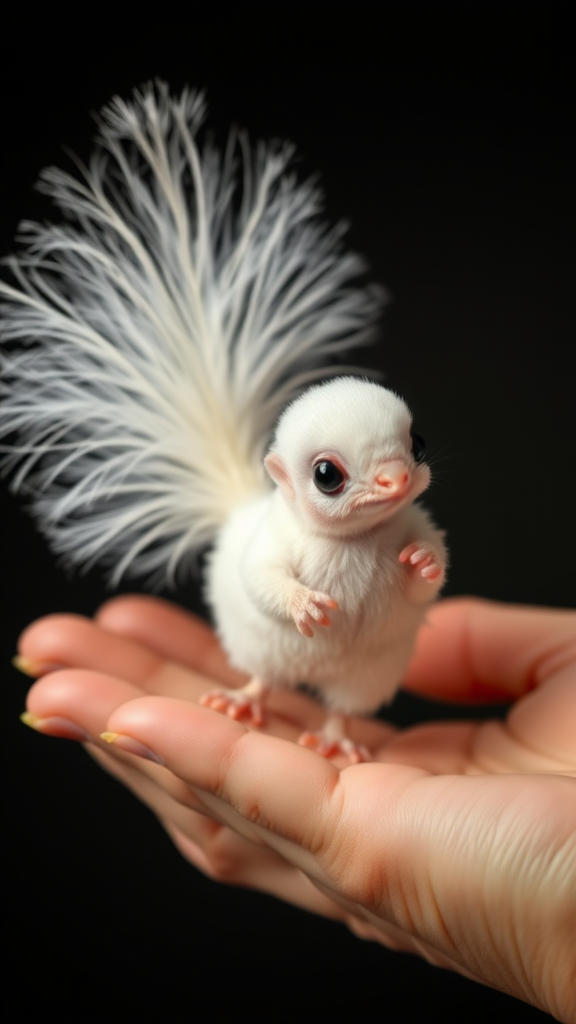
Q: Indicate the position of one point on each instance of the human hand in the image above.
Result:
(458, 842)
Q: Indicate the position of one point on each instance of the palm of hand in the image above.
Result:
(413, 849)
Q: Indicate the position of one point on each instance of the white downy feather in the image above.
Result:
(160, 331)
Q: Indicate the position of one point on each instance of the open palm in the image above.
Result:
(458, 841)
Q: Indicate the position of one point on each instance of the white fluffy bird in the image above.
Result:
(187, 298)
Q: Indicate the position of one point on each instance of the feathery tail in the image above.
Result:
(188, 296)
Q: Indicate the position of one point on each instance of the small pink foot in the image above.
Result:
(234, 705)
(425, 560)
(246, 702)
(329, 748)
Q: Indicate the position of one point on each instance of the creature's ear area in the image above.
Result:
(277, 470)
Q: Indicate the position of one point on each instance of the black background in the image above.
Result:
(442, 133)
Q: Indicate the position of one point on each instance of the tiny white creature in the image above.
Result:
(152, 341)
(328, 578)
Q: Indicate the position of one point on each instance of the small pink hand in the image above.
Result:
(425, 559)
(308, 609)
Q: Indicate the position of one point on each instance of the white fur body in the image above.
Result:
(343, 545)
(358, 661)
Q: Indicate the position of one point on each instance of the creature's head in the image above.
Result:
(345, 456)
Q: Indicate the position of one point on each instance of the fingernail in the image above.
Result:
(131, 746)
(33, 668)
(56, 726)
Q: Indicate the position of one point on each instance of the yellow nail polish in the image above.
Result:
(55, 725)
(109, 737)
(29, 719)
(28, 666)
(128, 745)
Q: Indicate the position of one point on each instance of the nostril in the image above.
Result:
(393, 481)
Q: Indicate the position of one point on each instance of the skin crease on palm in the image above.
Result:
(457, 842)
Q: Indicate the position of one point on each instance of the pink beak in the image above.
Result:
(394, 478)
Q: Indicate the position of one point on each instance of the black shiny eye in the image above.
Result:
(328, 478)
(418, 447)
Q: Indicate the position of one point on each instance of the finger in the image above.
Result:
(171, 633)
(177, 634)
(88, 698)
(85, 698)
(69, 640)
(248, 770)
(304, 627)
(78, 642)
(207, 741)
(166, 795)
(472, 650)
(74, 641)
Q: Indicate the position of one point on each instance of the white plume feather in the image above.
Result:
(162, 329)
